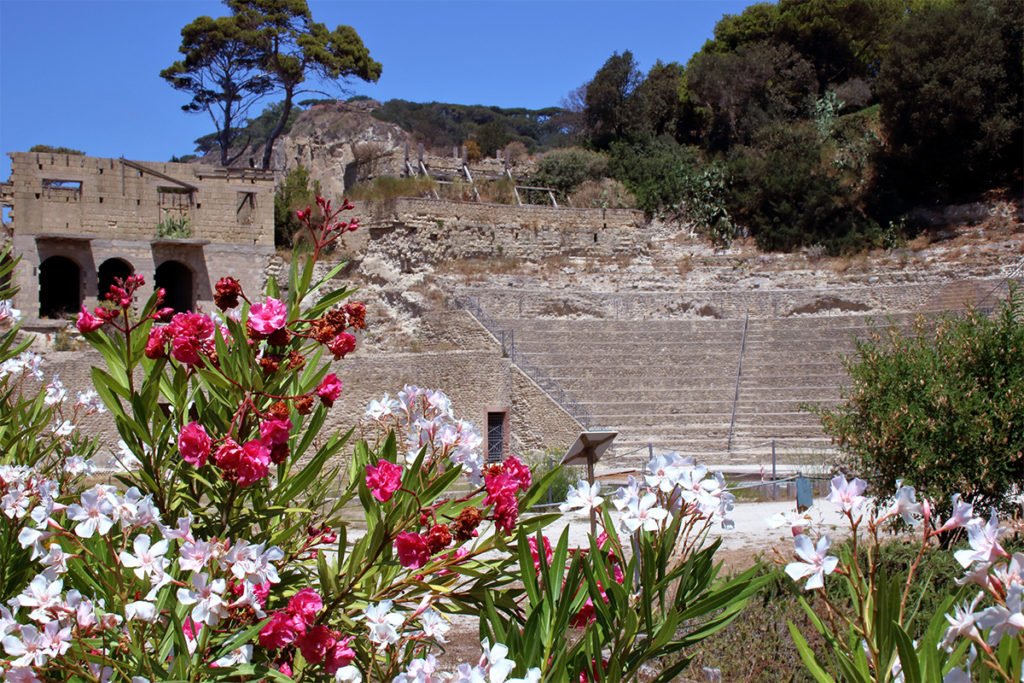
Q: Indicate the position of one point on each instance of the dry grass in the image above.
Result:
(683, 266)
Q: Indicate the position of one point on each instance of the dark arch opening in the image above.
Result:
(60, 287)
(176, 279)
(110, 269)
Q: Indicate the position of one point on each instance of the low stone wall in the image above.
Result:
(877, 300)
(414, 230)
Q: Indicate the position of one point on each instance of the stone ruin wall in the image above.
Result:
(435, 230)
(92, 209)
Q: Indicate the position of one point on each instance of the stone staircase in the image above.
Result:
(674, 384)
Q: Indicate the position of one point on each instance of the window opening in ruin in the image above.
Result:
(110, 269)
(496, 436)
(175, 212)
(176, 279)
(60, 287)
(56, 189)
(246, 207)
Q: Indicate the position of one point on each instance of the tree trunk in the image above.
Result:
(286, 111)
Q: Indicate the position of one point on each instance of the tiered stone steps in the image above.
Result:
(672, 384)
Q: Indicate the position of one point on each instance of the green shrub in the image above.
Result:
(294, 194)
(658, 172)
(787, 195)
(940, 408)
(389, 188)
(566, 169)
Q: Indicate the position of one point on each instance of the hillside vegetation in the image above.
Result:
(802, 123)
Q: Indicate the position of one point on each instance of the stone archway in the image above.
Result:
(60, 287)
(110, 269)
(177, 280)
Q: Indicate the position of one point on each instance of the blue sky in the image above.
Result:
(84, 73)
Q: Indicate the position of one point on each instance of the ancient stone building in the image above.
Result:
(80, 221)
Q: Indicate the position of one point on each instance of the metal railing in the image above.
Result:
(739, 379)
(507, 339)
(987, 303)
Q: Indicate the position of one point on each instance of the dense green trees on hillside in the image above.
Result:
(802, 122)
(824, 120)
(441, 126)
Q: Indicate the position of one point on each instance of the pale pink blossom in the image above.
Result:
(816, 562)
(849, 496)
(207, 596)
(984, 540)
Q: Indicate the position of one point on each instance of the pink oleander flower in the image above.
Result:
(816, 563)
(87, 322)
(383, 480)
(536, 555)
(905, 505)
(275, 432)
(194, 444)
(267, 318)
(305, 605)
(963, 513)
(519, 472)
(413, 550)
(244, 465)
(281, 631)
(505, 516)
(190, 335)
(316, 643)
(156, 345)
(339, 656)
(329, 389)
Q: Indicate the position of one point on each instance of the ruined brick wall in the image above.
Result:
(91, 210)
(436, 229)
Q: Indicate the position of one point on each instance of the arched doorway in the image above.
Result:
(60, 287)
(110, 269)
(176, 278)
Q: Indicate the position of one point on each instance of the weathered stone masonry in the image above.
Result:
(79, 221)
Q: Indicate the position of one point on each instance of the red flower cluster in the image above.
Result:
(329, 390)
(244, 465)
(296, 625)
(190, 336)
(415, 550)
(120, 298)
(274, 436)
(194, 444)
(502, 483)
(227, 291)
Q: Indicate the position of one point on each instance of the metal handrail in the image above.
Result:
(739, 377)
(506, 338)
